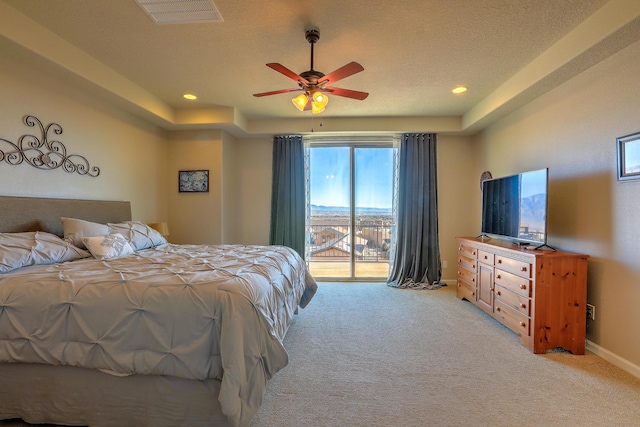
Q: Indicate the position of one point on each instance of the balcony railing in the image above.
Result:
(330, 248)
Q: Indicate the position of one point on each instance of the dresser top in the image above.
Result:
(524, 249)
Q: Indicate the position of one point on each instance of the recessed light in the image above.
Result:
(459, 89)
(190, 96)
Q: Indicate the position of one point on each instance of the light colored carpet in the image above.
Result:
(364, 354)
(370, 355)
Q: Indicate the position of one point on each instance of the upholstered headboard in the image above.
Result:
(19, 214)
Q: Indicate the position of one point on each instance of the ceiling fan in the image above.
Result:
(315, 84)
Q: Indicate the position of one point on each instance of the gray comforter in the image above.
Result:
(188, 311)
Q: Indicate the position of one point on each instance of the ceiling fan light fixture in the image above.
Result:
(300, 101)
(316, 109)
(320, 99)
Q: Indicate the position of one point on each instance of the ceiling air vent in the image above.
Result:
(180, 11)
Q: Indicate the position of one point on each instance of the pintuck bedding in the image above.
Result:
(194, 312)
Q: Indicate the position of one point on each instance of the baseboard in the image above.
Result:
(614, 359)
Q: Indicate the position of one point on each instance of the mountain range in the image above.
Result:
(323, 210)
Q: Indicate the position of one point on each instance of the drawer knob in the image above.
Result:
(523, 324)
(473, 253)
(486, 257)
(523, 305)
(523, 286)
(524, 269)
(499, 276)
(499, 261)
(498, 309)
(499, 293)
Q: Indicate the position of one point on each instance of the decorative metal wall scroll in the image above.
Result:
(42, 153)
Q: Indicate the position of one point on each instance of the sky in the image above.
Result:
(329, 176)
(534, 182)
(632, 156)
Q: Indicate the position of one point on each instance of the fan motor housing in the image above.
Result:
(312, 76)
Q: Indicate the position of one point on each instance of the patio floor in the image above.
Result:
(340, 269)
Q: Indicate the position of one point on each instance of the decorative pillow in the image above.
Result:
(75, 229)
(35, 248)
(108, 247)
(139, 235)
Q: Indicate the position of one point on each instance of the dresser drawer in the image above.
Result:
(467, 264)
(511, 318)
(485, 257)
(519, 268)
(468, 251)
(519, 285)
(466, 291)
(467, 276)
(515, 301)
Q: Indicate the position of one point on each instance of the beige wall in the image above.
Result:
(196, 217)
(229, 190)
(458, 198)
(252, 173)
(572, 130)
(130, 153)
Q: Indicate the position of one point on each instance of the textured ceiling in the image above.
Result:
(414, 52)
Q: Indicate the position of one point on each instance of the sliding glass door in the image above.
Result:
(373, 211)
(330, 212)
(351, 223)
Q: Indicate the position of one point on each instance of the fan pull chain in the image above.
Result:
(312, 117)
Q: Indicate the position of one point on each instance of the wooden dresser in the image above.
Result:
(541, 295)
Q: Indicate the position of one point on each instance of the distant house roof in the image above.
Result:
(342, 243)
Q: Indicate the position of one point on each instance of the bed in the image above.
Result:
(163, 335)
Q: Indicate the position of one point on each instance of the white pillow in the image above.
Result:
(75, 229)
(35, 248)
(108, 247)
(139, 235)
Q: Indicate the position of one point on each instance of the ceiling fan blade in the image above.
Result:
(287, 72)
(275, 92)
(343, 72)
(346, 93)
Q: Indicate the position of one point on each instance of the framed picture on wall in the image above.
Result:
(195, 181)
(628, 156)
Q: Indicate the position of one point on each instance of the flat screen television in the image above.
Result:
(515, 207)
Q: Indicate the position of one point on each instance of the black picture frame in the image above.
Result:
(193, 181)
(628, 148)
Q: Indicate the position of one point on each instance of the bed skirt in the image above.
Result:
(73, 396)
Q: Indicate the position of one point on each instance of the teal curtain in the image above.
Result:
(417, 253)
(288, 194)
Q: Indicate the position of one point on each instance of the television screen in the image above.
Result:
(516, 207)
